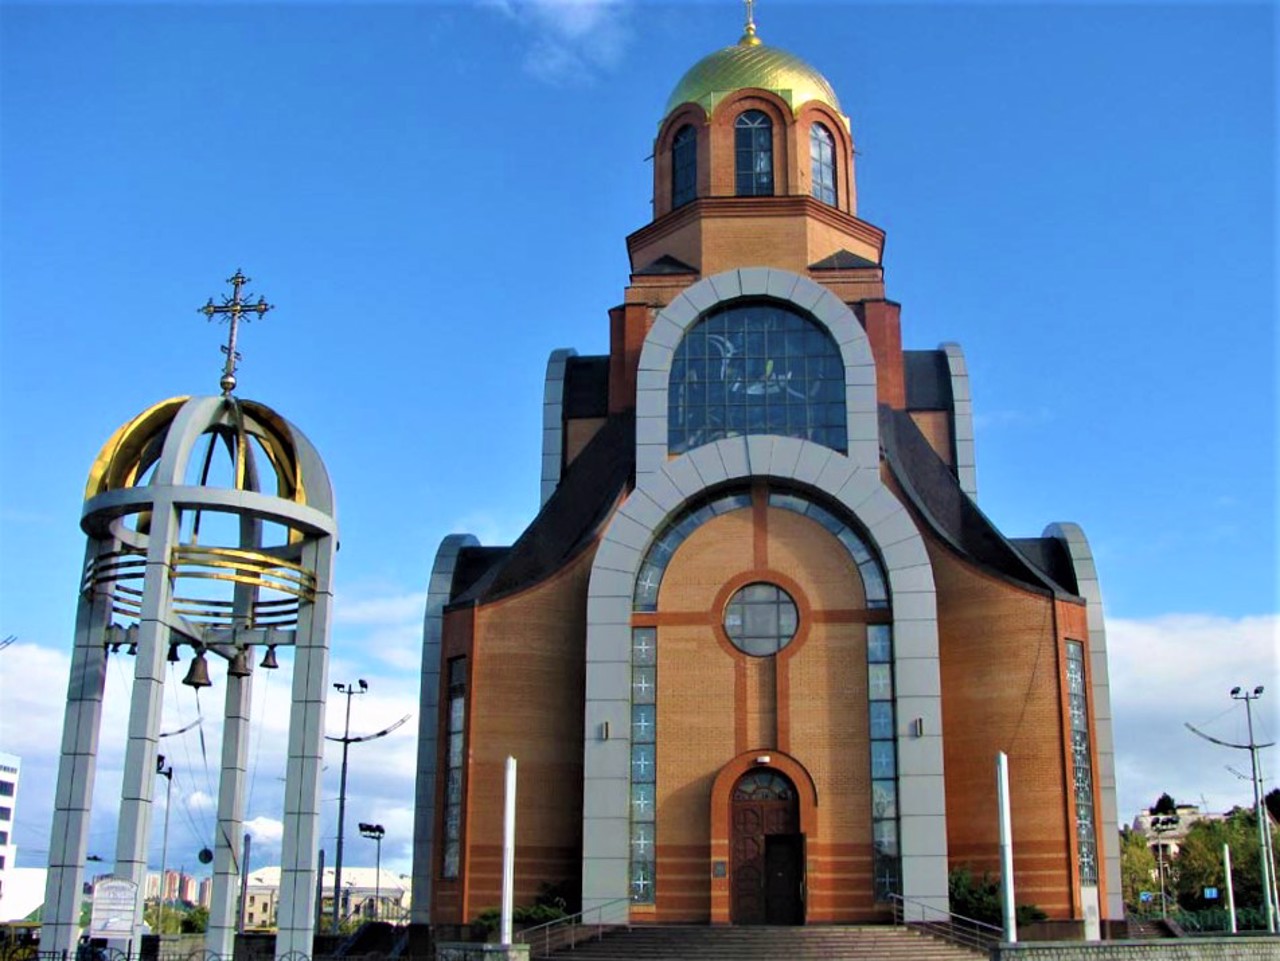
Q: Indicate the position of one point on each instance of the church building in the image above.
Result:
(759, 649)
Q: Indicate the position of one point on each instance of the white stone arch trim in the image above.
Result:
(674, 320)
(962, 438)
(439, 590)
(658, 496)
(1088, 587)
(553, 419)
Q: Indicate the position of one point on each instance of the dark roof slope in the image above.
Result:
(586, 387)
(928, 380)
(843, 260)
(473, 564)
(937, 498)
(665, 266)
(569, 519)
(1050, 555)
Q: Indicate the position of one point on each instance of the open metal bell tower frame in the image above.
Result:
(152, 585)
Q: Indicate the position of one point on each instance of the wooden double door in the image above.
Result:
(766, 851)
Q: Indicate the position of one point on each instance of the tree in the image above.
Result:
(1199, 861)
(1272, 801)
(195, 920)
(1165, 805)
(1138, 868)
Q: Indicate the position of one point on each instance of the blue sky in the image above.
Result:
(435, 196)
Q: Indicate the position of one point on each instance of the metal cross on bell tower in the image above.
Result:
(234, 307)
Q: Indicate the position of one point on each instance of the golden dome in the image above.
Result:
(749, 63)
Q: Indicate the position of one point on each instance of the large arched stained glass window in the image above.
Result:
(684, 166)
(753, 154)
(756, 368)
(822, 159)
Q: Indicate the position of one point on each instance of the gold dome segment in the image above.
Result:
(750, 63)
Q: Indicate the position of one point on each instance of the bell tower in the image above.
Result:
(210, 532)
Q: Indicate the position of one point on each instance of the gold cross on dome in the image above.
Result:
(234, 308)
(749, 37)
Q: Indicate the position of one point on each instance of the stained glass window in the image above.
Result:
(644, 762)
(884, 758)
(756, 368)
(763, 786)
(455, 734)
(1082, 767)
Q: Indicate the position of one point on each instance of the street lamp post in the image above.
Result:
(350, 690)
(167, 774)
(1264, 824)
(1162, 824)
(374, 832)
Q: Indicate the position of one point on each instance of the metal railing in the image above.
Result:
(956, 928)
(569, 932)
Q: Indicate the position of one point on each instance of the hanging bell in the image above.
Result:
(133, 649)
(198, 674)
(269, 659)
(173, 654)
(239, 666)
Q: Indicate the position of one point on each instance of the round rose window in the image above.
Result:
(761, 619)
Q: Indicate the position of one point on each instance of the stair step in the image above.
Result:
(817, 943)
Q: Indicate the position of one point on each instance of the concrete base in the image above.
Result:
(1181, 949)
(472, 951)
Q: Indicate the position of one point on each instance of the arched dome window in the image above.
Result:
(684, 166)
(822, 157)
(756, 367)
(753, 152)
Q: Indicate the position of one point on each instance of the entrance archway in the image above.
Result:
(766, 846)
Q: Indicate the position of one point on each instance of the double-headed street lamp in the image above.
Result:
(374, 832)
(1162, 824)
(350, 690)
(1264, 822)
(1265, 853)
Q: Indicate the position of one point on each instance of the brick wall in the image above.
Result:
(715, 703)
(533, 713)
(1001, 691)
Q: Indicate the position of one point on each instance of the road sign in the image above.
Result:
(1211, 894)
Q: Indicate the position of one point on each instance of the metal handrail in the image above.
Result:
(563, 932)
(956, 928)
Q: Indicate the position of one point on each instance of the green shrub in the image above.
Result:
(979, 898)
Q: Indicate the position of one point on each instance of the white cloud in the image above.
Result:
(1164, 671)
(1177, 669)
(572, 41)
(492, 529)
(269, 831)
(199, 801)
(394, 609)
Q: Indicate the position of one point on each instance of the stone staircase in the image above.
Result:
(812, 943)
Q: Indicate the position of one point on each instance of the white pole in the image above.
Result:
(1231, 895)
(1006, 849)
(509, 852)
